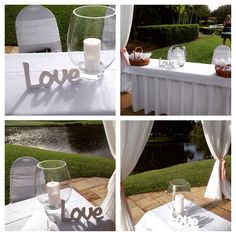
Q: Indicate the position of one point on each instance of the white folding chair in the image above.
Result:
(22, 175)
(221, 52)
(37, 30)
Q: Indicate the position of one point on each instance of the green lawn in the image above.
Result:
(196, 173)
(78, 165)
(200, 50)
(33, 123)
(61, 12)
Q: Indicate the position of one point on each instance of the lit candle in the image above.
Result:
(179, 203)
(53, 190)
(92, 48)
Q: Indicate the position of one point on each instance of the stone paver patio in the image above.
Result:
(95, 189)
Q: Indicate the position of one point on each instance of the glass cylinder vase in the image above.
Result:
(91, 39)
(52, 184)
(179, 197)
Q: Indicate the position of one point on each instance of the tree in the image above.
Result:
(221, 12)
(171, 128)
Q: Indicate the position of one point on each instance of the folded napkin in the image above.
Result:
(140, 55)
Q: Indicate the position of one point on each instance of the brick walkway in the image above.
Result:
(95, 189)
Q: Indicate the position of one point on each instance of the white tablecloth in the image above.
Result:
(193, 89)
(159, 220)
(87, 98)
(29, 215)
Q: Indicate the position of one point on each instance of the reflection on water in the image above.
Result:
(90, 139)
(161, 155)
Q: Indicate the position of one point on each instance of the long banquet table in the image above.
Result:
(86, 98)
(193, 89)
(29, 215)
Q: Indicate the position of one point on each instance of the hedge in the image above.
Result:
(166, 35)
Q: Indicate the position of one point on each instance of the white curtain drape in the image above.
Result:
(108, 205)
(126, 17)
(218, 137)
(134, 136)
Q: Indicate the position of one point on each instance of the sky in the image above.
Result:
(213, 6)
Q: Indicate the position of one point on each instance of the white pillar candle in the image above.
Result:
(92, 49)
(53, 190)
(179, 203)
(179, 59)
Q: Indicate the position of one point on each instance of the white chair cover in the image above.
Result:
(221, 52)
(108, 205)
(134, 136)
(126, 17)
(37, 30)
(22, 175)
(218, 137)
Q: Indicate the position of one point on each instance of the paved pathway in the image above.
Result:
(95, 189)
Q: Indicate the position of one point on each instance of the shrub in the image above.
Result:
(165, 35)
(209, 31)
(206, 22)
(206, 30)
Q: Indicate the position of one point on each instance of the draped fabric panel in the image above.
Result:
(218, 137)
(134, 136)
(108, 205)
(126, 17)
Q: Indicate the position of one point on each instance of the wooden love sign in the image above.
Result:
(77, 213)
(46, 78)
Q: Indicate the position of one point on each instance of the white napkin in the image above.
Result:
(140, 55)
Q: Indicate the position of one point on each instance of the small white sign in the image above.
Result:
(77, 213)
(46, 78)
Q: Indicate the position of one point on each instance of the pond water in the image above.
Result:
(90, 139)
(161, 155)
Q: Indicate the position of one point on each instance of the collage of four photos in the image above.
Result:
(98, 96)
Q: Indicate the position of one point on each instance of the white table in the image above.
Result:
(193, 89)
(159, 220)
(29, 215)
(86, 98)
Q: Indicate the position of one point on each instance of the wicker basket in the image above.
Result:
(220, 71)
(139, 62)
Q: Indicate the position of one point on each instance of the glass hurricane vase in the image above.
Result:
(52, 184)
(178, 197)
(91, 39)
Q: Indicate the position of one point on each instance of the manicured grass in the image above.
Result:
(196, 173)
(32, 123)
(61, 12)
(200, 50)
(78, 165)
